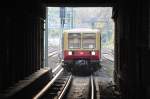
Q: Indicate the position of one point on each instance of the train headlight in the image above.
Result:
(92, 53)
(69, 53)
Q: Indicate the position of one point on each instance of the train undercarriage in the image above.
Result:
(81, 66)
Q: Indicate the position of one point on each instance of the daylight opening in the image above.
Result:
(75, 19)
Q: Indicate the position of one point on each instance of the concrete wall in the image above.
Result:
(21, 40)
(132, 51)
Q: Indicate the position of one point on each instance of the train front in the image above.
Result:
(82, 51)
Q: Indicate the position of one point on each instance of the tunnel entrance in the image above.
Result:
(60, 19)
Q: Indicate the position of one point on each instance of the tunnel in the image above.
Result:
(22, 47)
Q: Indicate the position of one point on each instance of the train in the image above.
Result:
(81, 48)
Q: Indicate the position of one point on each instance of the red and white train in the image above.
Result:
(81, 50)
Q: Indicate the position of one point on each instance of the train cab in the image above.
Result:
(81, 49)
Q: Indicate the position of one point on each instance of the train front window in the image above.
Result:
(74, 40)
(89, 40)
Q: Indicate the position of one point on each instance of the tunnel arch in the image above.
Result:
(132, 51)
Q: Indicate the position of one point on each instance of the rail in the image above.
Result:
(65, 88)
(47, 86)
(92, 87)
(53, 53)
(55, 69)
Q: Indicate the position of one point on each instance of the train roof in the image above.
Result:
(83, 30)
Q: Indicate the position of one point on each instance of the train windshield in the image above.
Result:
(74, 40)
(89, 40)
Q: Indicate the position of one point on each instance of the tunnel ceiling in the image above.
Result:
(78, 3)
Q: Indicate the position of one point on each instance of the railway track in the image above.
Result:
(62, 82)
(53, 53)
(81, 88)
(108, 59)
(108, 54)
(57, 87)
(92, 88)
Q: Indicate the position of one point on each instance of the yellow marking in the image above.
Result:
(98, 41)
(81, 47)
(65, 41)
